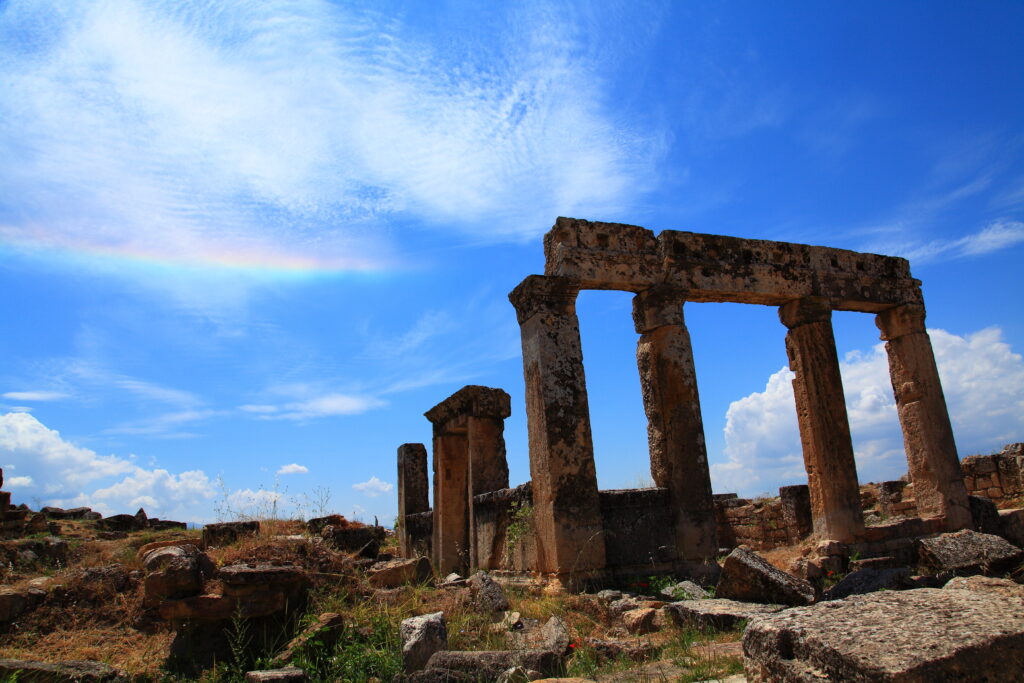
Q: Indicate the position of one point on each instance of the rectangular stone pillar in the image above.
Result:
(927, 434)
(451, 504)
(821, 415)
(675, 430)
(412, 490)
(566, 509)
(488, 471)
(796, 511)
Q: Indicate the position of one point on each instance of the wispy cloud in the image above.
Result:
(162, 424)
(281, 135)
(996, 236)
(373, 487)
(326, 405)
(35, 395)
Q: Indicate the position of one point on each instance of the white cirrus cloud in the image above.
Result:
(328, 405)
(982, 379)
(224, 134)
(293, 468)
(35, 395)
(1001, 234)
(373, 487)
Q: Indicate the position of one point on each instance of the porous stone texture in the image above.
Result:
(422, 636)
(397, 572)
(639, 621)
(718, 613)
(915, 636)
(173, 572)
(684, 590)
(869, 580)
(748, 577)
(62, 672)
(969, 552)
(555, 635)
(986, 584)
(413, 491)
(364, 540)
(489, 664)
(488, 596)
(226, 533)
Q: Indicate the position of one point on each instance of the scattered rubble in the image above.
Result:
(969, 552)
(746, 576)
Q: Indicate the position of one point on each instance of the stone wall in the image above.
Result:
(639, 531)
(493, 514)
(764, 523)
(997, 477)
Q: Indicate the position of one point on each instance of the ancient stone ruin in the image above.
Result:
(577, 530)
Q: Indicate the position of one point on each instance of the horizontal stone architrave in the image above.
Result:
(717, 268)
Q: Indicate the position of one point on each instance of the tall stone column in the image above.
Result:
(927, 434)
(821, 414)
(412, 489)
(566, 509)
(675, 431)
(451, 503)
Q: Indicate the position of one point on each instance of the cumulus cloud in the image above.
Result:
(293, 468)
(373, 487)
(35, 395)
(67, 475)
(222, 135)
(982, 378)
(18, 481)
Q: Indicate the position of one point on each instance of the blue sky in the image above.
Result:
(245, 245)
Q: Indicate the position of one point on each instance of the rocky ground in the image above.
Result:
(326, 600)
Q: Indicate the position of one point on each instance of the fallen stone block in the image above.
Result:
(1011, 526)
(868, 581)
(59, 513)
(13, 604)
(174, 572)
(122, 523)
(488, 596)
(422, 637)
(986, 584)
(969, 552)
(984, 514)
(901, 637)
(607, 650)
(397, 572)
(364, 540)
(489, 664)
(31, 671)
(748, 577)
(226, 533)
(684, 590)
(719, 614)
(555, 635)
(640, 621)
(290, 674)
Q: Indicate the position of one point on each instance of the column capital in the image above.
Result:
(900, 321)
(811, 309)
(544, 294)
(658, 306)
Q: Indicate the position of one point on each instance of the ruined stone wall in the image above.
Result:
(639, 531)
(997, 477)
(764, 523)
(494, 514)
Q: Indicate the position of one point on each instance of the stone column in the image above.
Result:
(927, 434)
(566, 509)
(451, 503)
(412, 489)
(821, 414)
(488, 471)
(675, 431)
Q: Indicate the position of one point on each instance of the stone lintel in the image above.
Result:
(804, 311)
(725, 269)
(470, 401)
(544, 294)
(900, 321)
(658, 306)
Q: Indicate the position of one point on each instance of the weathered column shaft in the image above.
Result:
(567, 515)
(675, 430)
(927, 433)
(451, 500)
(821, 414)
(413, 481)
(488, 471)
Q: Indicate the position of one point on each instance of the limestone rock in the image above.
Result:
(684, 590)
(290, 674)
(986, 584)
(226, 533)
(489, 664)
(606, 649)
(59, 513)
(326, 630)
(122, 523)
(639, 621)
(869, 580)
(556, 636)
(985, 515)
(969, 552)
(1011, 524)
(63, 672)
(12, 604)
(397, 572)
(422, 636)
(488, 596)
(173, 573)
(748, 577)
(317, 524)
(719, 613)
(905, 636)
(518, 674)
(364, 540)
